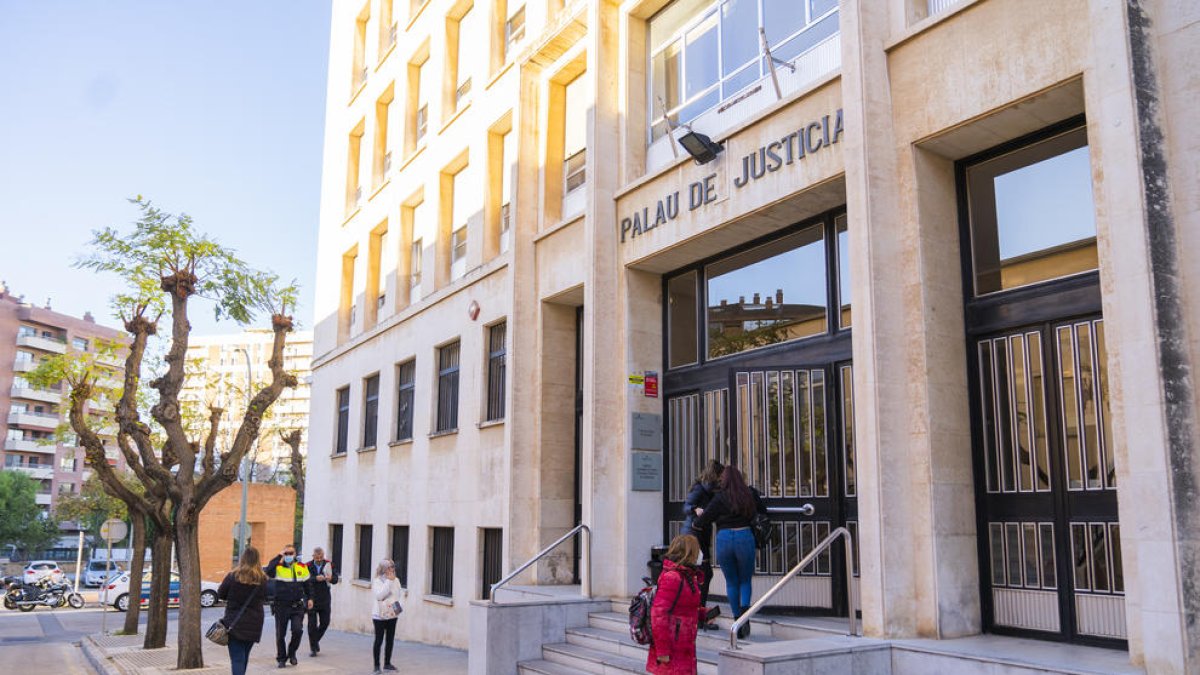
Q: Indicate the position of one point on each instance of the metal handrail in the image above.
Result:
(805, 562)
(585, 578)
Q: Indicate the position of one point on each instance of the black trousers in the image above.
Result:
(385, 629)
(287, 616)
(318, 623)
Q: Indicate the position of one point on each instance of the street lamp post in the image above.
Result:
(245, 467)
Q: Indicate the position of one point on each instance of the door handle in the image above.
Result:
(806, 510)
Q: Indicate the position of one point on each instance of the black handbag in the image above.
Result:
(218, 632)
(761, 528)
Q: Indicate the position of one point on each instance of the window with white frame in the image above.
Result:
(424, 86)
(514, 31)
(704, 51)
(508, 160)
(462, 61)
(414, 290)
(460, 213)
(575, 134)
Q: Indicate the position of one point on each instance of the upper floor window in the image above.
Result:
(702, 52)
(466, 32)
(514, 31)
(1031, 214)
(497, 336)
(447, 389)
(343, 421)
(461, 199)
(79, 344)
(575, 134)
(406, 377)
(370, 411)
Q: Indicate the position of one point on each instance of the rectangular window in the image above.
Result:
(414, 292)
(382, 163)
(681, 320)
(354, 191)
(335, 544)
(1032, 214)
(575, 134)
(406, 376)
(462, 200)
(442, 569)
(343, 420)
(419, 86)
(514, 31)
(358, 76)
(388, 28)
(79, 344)
(703, 52)
(508, 161)
(400, 553)
(496, 365)
(364, 553)
(447, 401)
(370, 411)
(458, 252)
(771, 293)
(493, 559)
(844, 287)
(462, 62)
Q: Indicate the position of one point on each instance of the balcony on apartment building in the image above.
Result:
(24, 365)
(18, 445)
(36, 420)
(24, 391)
(38, 471)
(46, 344)
(42, 498)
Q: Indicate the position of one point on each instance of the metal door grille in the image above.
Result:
(781, 432)
(493, 552)
(442, 573)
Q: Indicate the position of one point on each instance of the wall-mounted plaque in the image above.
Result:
(647, 471)
(645, 431)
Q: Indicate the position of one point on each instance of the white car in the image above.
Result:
(116, 592)
(37, 570)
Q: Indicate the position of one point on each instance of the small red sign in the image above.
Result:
(651, 385)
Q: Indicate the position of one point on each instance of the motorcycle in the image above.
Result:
(26, 597)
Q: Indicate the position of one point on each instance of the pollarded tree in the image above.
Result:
(167, 265)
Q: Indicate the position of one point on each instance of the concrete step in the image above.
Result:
(586, 660)
(714, 640)
(622, 645)
(544, 667)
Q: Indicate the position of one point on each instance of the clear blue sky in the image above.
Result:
(212, 107)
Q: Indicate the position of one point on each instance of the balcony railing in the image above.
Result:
(24, 365)
(39, 472)
(46, 344)
(34, 419)
(42, 498)
(939, 6)
(20, 445)
(36, 394)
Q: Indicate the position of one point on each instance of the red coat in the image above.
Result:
(674, 629)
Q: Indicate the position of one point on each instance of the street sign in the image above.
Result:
(237, 531)
(113, 529)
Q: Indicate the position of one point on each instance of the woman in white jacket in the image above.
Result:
(387, 591)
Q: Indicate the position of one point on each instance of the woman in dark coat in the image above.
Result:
(676, 613)
(733, 510)
(244, 591)
(702, 492)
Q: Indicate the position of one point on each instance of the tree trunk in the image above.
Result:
(187, 538)
(160, 588)
(137, 558)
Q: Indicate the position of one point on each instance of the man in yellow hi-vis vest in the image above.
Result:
(292, 598)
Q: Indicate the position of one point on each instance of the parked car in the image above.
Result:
(99, 571)
(36, 570)
(116, 592)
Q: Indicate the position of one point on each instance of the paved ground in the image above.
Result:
(45, 641)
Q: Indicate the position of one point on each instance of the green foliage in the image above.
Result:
(163, 245)
(21, 521)
(92, 506)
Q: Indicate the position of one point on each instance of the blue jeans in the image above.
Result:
(735, 553)
(239, 655)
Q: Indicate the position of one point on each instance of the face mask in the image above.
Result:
(289, 559)
(700, 558)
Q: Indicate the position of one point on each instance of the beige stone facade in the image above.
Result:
(878, 124)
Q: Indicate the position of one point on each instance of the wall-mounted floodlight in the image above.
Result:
(702, 148)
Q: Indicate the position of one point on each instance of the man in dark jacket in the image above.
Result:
(292, 598)
(323, 574)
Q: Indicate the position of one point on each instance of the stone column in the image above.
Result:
(916, 493)
(1141, 101)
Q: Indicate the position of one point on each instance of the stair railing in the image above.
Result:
(805, 562)
(585, 576)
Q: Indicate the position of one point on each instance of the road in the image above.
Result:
(43, 641)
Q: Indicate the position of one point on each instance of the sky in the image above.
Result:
(214, 108)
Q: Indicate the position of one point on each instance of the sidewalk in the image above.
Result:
(340, 653)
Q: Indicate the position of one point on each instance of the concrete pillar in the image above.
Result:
(916, 493)
(1141, 112)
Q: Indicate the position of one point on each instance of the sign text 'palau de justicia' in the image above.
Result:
(769, 158)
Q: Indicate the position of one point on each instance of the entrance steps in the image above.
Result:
(788, 644)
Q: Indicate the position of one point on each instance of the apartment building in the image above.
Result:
(924, 269)
(29, 334)
(219, 368)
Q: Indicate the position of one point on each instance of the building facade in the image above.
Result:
(219, 367)
(28, 335)
(939, 281)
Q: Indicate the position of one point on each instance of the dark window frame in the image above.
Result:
(365, 535)
(406, 389)
(399, 550)
(497, 366)
(336, 536)
(370, 411)
(492, 559)
(449, 365)
(441, 568)
(342, 425)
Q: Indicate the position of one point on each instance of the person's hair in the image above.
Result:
(740, 499)
(711, 473)
(318, 549)
(383, 566)
(249, 569)
(291, 546)
(684, 550)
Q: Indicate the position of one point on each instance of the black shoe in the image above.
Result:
(282, 664)
(292, 659)
(388, 666)
(744, 631)
(312, 653)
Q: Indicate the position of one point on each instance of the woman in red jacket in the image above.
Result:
(676, 612)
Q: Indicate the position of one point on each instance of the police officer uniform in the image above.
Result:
(292, 595)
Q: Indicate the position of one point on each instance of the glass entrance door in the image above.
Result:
(1052, 563)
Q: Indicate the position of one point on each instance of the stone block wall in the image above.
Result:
(270, 511)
